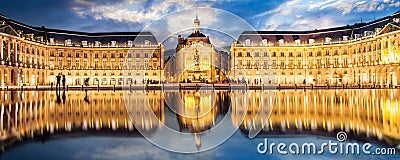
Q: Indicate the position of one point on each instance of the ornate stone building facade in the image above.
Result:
(34, 56)
(365, 53)
(196, 59)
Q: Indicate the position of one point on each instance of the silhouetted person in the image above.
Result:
(86, 82)
(58, 97)
(63, 96)
(58, 78)
(63, 81)
(86, 99)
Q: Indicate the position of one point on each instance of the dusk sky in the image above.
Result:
(133, 15)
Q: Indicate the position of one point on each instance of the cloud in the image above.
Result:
(308, 15)
(139, 11)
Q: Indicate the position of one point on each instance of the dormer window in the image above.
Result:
(298, 42)
(345, 38)
(281, 42)
(84, 43)
(377, 30)
(146, 43)
(113, 43)
(39, 39)
(97, 43)
(68, 42)
(29, 36)
(130, 43)
(247, 42)
(396, 20)
(311, 41)
(368, 33)
(265, 42)
(328, 40)
(51, 41)
(356, 36)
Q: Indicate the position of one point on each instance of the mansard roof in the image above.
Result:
(76, 37)
(319, 35)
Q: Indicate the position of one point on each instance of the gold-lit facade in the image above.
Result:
(35, 56)
(373, 113)
(30, 114)
(365, 54)
(196, 60)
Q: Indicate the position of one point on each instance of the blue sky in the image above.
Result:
(134, 15)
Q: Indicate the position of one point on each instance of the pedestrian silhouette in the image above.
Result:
(58, 97)
(63, 81)
(64, 97)
(86, 99)
(58, 77)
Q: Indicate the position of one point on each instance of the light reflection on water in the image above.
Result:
(366, 115)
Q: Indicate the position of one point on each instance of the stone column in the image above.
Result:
(2, 76)
(9, 50)
(15, 51)
(1, 48)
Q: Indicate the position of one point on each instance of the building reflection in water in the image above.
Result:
(367, 114)
(373, 114)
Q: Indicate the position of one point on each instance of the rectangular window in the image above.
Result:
(291, 63)
(299, 65)
(137, 64)
(327, 61)
(77, 65)
(257, 54)
(121, 63)
(137, 55)
(112, 64)
(319, 64)
(336, 62)
(104, 64)
(60, 63)
(51, 64)
(266, 54)
(96, 64)
(68, 63)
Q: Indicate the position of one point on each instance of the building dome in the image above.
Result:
(197, 20)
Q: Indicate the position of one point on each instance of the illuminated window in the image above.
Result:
(298, 42)
(247, 42)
